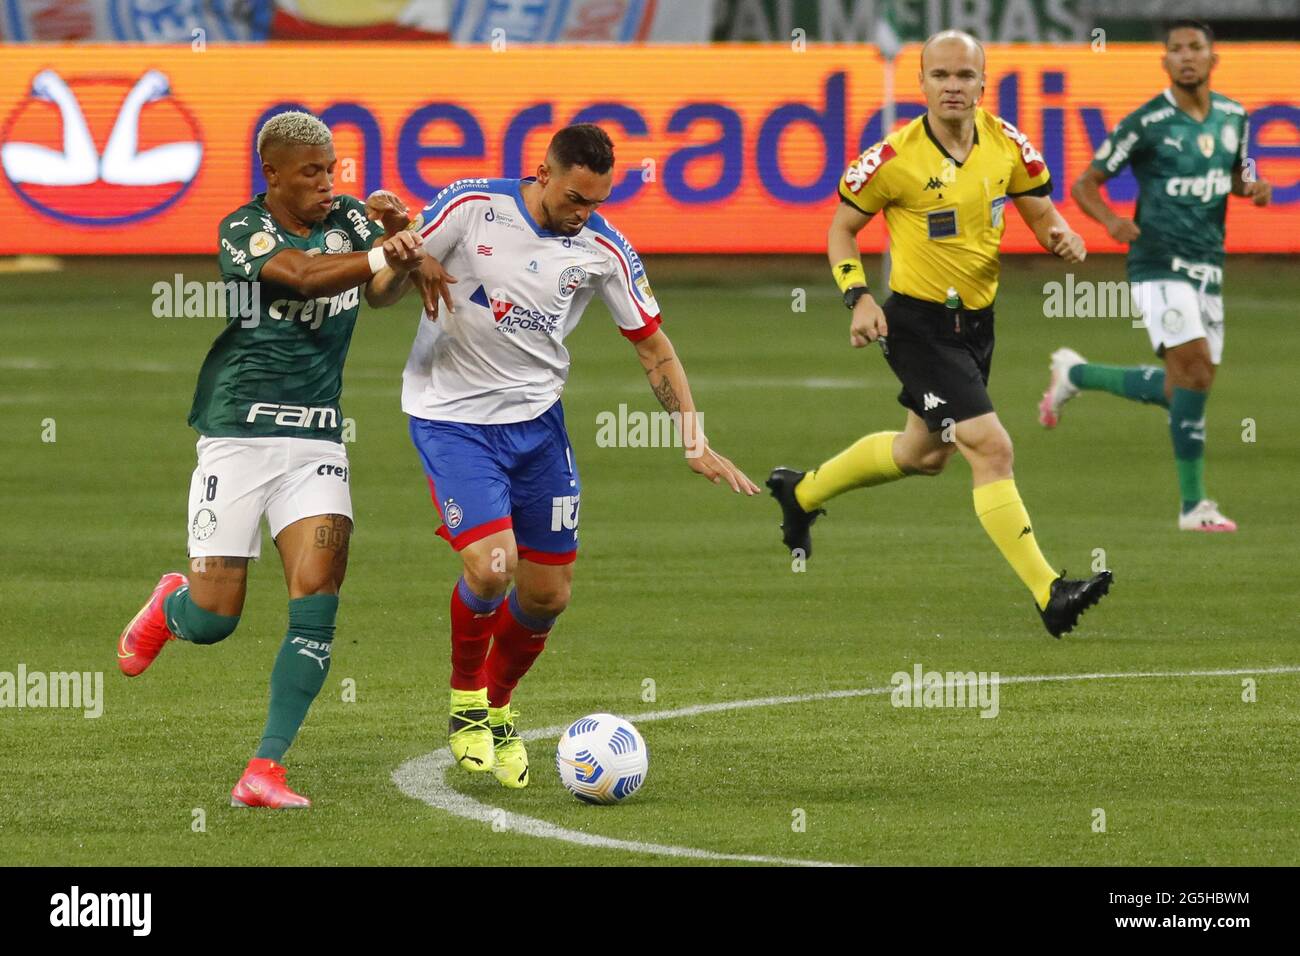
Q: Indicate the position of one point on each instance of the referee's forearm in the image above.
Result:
(841, 244)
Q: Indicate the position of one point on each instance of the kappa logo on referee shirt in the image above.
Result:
(932, 400)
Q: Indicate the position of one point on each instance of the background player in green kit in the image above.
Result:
(267, 410)
(1187, 147)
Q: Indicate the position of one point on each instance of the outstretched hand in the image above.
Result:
(718, 469)
(434, 283)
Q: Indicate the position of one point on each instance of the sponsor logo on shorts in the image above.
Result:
(564, 513)
(931, 400)
(340, 470)
(204, 524)
(452, 514)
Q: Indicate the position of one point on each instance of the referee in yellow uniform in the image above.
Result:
(943, 182)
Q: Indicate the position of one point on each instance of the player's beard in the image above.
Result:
(1192, 86)
(554, 225)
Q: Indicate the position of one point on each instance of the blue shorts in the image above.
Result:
(490, 478)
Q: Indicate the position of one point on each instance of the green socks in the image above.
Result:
(1144, 383)
(191, 623)
(1187, 428)
(300, 670)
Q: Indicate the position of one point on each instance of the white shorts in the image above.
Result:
(240, 479)
(1176, 312)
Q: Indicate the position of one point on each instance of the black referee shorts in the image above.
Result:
(942, 359)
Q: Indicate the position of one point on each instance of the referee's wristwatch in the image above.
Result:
(852, 295)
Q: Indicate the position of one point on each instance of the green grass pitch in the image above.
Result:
(682, 584)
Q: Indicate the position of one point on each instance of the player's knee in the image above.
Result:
(548, 600)
(210, 628)
(1001, 456)
(932, 461)
(993, 455)
(305, 582)
(1199, 377)
(489, 575)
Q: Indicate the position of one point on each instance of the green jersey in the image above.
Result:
(277, 367)
(1184, 174)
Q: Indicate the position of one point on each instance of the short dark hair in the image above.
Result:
(1189, 24)
(585, 144)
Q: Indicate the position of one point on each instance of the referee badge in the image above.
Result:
(942, 223)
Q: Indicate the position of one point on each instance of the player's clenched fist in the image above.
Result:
(1259, 192)
(387, 208)
(1067, 244)
(868, 323)
(403, 252)
(1123, 230)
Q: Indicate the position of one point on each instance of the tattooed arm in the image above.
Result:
(668, 382)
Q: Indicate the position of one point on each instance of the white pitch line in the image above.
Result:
(424, 778)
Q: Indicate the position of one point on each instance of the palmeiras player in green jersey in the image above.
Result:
(1187, 148)
(267, 412)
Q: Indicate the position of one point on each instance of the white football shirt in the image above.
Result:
(500, 357)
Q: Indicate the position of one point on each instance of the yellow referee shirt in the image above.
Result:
(945, 218)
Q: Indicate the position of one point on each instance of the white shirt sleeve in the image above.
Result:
(625, 288)
(442, 223)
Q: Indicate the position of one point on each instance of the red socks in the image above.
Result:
(518, 638)
(472, 618)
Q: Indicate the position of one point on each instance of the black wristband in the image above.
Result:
(852, 295)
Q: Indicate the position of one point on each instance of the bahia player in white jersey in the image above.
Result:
(482, 388)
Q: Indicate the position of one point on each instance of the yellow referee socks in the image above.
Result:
(1006, 521)
(868, 461)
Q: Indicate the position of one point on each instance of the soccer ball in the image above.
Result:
(602, 759)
